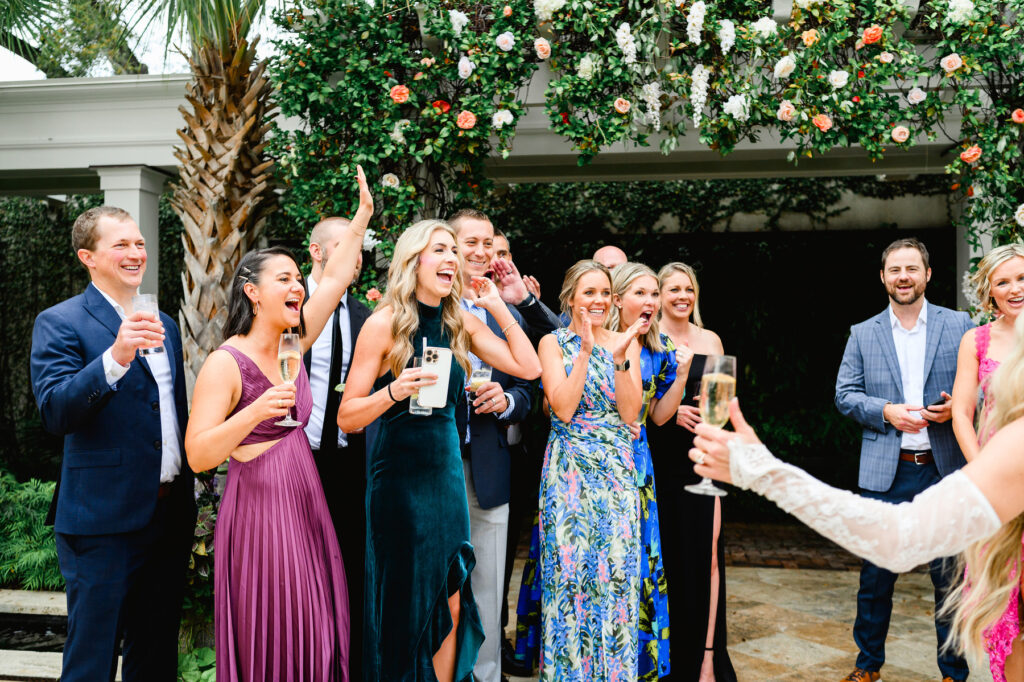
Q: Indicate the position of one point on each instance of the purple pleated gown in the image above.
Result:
(279, 584)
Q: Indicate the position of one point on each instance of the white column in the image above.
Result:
(137, 189)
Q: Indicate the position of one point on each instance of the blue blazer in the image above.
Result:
(869, 377)
(112, 440)
(489, 453)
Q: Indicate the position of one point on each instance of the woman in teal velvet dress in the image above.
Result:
(663, 369)
(420, 620)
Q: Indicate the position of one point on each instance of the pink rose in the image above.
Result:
(872, 34)
(822, 122)
(400, 94)
(373, 295)
(951, 62)
(427, 61)
(786, 111)
(886, 57)
(1017, 116)
(542, 47)
(900, 134)
(916, 96)
(971, 154)
(622, 105)
(466, 119)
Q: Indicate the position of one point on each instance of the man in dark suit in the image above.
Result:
(894, 381)
(482, 420)
(340, 457)
(124, 510)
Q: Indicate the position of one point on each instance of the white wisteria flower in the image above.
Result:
(651, 94)
(370, 240)
(695, 21)
(960, 11)
(916, 96)
(737, 106)
(839, 79)
(459, 20)
(624, 37)
(506, 41)
(699, 92)
(397, 133)
(390, 180)
(586, 68)
(501, 118)
(784, 67)
(804, 4)
(1018, 215)
(545, 9)
(765, 27)
(465, 67)
(726, 35)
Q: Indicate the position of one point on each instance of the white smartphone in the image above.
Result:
(438, 361)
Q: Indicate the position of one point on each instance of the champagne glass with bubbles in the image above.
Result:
(289, 358)
(717, 388)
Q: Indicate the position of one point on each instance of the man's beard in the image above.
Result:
(915, 293)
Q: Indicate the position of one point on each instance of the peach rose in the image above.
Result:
(466, 119)
(810, 37)
(507, 10)
(1017, 116)
(373, 295)
(951, 62)
(622, 105)
(886, 57)
(786, 111)
(971, 154)
(400, 94)
(822, 122)
(427, 61)
(542, 47)
(872, 34)
(900, 134)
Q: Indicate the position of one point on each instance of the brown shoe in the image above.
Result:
(859, 675)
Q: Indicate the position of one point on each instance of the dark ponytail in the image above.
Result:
(250, 271)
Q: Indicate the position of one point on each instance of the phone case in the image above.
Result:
(439, 361)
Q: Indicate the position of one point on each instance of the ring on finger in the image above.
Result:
(700, 459)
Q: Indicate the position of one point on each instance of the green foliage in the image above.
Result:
(85, 37)
(28, 553)
(199, 665)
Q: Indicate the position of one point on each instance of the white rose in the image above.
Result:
(544, 9)
(586, 68)
(784, 67)
(390, 180)
(886, 57)
(838, 79)
(960, 11)
(506, 41)
(458, 19)
(501, 118)
(916, 96)
(1018, 215)
(465, 68)
(738, 106)
(765, 27)
(397, 133)
(951, 62)
(370, 240)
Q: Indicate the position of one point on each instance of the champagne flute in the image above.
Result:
(414, 399)
(289, 358)
(717, 388)
(146, 303)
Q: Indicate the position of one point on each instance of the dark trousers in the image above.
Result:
(874, 598)
(343, 477)
(127, 585)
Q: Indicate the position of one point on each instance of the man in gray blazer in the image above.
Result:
(894, 381)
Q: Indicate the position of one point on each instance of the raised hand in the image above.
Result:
(275, 402)
(532, 285)
(138, 330)
(684, 356)
(585, 330)
(365, 198)
(622, 341)
(711, 446)
(487, 295)
(513, 289)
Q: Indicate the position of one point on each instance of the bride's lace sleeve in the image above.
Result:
(941, 521)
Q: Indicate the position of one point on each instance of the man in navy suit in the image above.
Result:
(124, 509)
(340, 457)
(894, 381)
(482, 421)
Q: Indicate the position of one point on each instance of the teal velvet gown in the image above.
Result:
(418, 551)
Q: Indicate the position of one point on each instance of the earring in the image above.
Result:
(255, 308)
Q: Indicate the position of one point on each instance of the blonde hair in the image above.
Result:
(671, 269)
(572, 280)
(401, 297)
(980, 597)
(622, 277)
(986, 266)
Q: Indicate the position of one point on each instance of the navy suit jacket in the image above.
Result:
(112, 439)
(869, 377)
(489, 454)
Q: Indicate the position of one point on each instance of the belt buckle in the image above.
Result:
(919, 458)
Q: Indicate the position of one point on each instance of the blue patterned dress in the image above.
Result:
(589, 535)
(657, 372)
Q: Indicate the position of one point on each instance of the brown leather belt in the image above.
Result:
(164, 490)
(918, 457)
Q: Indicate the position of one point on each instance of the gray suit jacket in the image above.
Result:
(869, 377)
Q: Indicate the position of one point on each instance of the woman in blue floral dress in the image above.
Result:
(589, 500)
(635, 294)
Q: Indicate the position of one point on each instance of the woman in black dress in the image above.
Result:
(691, 549)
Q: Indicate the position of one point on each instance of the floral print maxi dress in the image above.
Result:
(589, 534)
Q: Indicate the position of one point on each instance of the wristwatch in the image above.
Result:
(527, 302)
(624, 367)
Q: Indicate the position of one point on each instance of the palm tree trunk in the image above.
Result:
(224, 192)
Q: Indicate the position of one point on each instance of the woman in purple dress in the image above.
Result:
(281, 602)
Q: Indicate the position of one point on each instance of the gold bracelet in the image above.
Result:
(505, 330)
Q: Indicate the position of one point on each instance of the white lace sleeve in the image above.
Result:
(941, 521)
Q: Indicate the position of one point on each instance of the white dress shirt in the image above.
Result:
(160, 366)
(910, 351)
(476, 363)
(320, 369)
